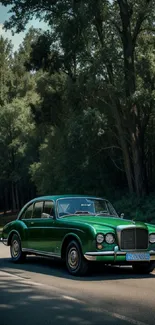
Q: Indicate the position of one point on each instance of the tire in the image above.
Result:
(15, 250)
(143, 268)
(75, 262)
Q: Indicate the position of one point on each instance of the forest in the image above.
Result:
(77, 103)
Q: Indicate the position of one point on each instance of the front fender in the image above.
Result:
(17, 227)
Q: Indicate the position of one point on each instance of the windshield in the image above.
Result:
(85, 206)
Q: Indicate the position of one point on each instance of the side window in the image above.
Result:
(27, 213)
(38, 208)
(49, 208)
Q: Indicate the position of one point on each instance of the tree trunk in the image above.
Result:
(13, 197)
(140, 175)
(6, 200)
(127, 164)
(125, 149)
(137, 164)
(98, 22)
(132, 112)
(17, 196)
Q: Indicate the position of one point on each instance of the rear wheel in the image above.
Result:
(15, 250)
(75, 262)
(143, 268)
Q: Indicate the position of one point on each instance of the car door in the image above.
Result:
(26, 219)
(48, 227)
(54, 230)
(35, 238)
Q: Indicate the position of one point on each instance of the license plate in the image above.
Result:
(137, 257)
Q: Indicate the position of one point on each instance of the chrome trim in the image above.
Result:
(105, 253)
(37, 252)
(4, 241)
(120, 228)
(114, 237)
(52, 227)
(151, 233)
(116, 249)
(99, 233)
(91, 256)
(152, 255)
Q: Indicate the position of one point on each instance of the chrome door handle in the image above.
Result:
(32, 223)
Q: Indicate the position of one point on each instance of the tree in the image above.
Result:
(5, 70)
(132, 21)
(16, 130)
(103, 38)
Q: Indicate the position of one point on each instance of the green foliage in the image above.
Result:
(76, 157)
(16, 126)
(88, 85)
(137, 209)
(5, 69)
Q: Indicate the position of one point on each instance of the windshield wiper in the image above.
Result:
(77, 213)
(106, 214)
(102, 213)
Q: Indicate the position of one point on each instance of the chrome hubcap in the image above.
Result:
(15, 248)
(73, 258)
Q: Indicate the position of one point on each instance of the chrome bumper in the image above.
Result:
(92, 256)
(4, 241)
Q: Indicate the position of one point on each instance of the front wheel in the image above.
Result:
(15, 250)
(75, 262)
(143, 268)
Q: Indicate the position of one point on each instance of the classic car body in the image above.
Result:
(80, 229)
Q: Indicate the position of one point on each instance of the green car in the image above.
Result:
(79, 230)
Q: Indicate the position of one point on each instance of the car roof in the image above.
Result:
(63, 196)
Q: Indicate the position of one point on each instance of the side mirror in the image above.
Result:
(122, 215)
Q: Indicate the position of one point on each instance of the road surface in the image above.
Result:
(40, 292)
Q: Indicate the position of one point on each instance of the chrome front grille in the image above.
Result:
(133, 239)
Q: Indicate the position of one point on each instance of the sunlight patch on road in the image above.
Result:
(21, 279)
(40, 297)
(6, 306)
(67, 298)
(71, 298)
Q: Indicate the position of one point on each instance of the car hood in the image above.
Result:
(102, 221)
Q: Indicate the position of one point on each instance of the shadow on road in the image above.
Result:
(56, 268)
(21, 303)
(26, 304)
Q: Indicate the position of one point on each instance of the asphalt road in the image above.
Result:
(40, 292)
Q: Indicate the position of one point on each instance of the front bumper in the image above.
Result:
(4, 241)
(115, 255)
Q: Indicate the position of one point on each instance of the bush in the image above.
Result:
(137, 209)
(4, 219)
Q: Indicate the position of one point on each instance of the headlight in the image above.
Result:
(100, 238)
(152, 238)
(109, 238)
